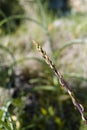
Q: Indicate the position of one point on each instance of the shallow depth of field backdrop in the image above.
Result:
(31, 97)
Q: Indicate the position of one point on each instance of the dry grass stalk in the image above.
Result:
(63, 83)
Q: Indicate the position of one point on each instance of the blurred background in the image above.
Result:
(31, 97)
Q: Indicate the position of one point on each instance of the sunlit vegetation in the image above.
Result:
(31, 96)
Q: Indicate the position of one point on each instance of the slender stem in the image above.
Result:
(21, 17)
(63, 83)
(70, 43)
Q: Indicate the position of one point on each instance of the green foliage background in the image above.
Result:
(38, 103)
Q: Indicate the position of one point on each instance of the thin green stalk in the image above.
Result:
(42, 11)
(68, 44)
(8, 51)
(24, 59)
(4, 16)
(6, 117)
(4, 124)
(45, 24)
(74, 75)
(21, 17)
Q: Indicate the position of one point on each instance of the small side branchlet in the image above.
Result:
(63, 83)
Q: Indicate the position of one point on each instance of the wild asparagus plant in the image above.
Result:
(63, 83)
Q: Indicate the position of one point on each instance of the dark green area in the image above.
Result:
(10, 8)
